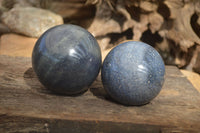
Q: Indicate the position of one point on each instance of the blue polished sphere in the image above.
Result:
(133, 73)
(66, 59)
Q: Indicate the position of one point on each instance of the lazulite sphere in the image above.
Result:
(66, 59)
(133, 73)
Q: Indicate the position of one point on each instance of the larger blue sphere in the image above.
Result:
(133, 73)
(66, 59)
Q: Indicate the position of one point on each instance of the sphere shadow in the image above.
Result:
(97, 89)
(31, 80)
(102, 94)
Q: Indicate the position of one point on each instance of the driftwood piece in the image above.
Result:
(171, 26)
(182, 32)
(26, 106)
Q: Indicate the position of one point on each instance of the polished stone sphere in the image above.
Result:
(66, 59)
(133, 73)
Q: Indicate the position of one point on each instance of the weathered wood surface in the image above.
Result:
(26, 106)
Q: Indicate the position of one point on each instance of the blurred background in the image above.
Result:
(170, 26)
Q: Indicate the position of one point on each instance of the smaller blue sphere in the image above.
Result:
(66, 59)
(133, 73)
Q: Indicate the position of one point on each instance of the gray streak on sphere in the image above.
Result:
(66, 59)
(133, 73)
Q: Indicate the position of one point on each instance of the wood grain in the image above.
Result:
(26, 106)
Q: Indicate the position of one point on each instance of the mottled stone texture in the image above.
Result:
(133, 73)
(30, 21)
(66, 59)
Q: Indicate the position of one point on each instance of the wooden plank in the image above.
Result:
(16, 45)
(26, 106)
(193, 77)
